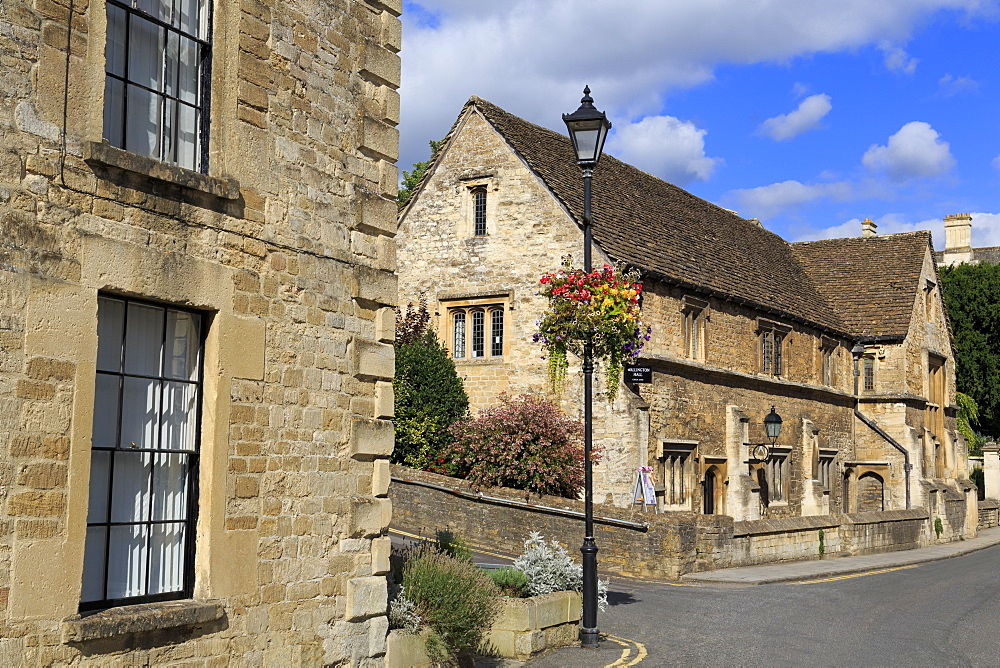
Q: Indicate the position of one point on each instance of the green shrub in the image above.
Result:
(522, 443)
(510, 581)
(549, 568)
(455, 598)
(938, 526)
(452, 545)
(822, 542)
(429, 395)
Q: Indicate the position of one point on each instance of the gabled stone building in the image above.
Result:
(742, 321)
(196, 288)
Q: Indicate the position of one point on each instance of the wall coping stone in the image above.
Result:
(878, 516)
(105, 154)
(989, 504)
(784, 525)
(140, 618)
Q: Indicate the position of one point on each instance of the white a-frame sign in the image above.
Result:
(643, 492)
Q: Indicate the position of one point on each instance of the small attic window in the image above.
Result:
(479, 211)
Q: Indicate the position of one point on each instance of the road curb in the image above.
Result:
(818, 569)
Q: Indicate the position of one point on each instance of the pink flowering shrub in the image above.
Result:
(522, 443)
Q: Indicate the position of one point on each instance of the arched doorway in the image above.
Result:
(871, 492)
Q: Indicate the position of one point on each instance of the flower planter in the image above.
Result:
(527, 626)
(524, 627)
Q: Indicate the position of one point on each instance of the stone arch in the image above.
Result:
(871, 492)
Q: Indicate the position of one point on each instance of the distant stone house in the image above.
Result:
(197, 211)
(958, 243)
(742, 321)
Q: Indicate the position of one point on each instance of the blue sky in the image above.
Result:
(810, 115)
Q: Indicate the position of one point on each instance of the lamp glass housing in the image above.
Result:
(588, 128)
(772, 425)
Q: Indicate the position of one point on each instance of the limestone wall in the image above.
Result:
(632, 542)
(286, 246)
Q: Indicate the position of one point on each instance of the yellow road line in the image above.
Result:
(626, 658)
(852, 575)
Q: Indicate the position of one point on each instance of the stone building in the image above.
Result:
(958, 243)
(196, 288)
(742, 321)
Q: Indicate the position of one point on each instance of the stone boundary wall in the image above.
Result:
(989, 513)
(631, 542)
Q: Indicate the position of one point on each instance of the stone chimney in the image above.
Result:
(868, 228)
(957, 238)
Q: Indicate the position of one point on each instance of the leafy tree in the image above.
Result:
(522, 443)
(429, 394)
(412, 178)
(972, 295)
(967, 418)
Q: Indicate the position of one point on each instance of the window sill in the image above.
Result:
(476, 361)
(103, 153)
(141, 618)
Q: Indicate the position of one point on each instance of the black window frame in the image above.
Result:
(194, 456)
(203, 106)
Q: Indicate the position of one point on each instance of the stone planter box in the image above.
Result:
(406, 650)
(524, 627)
(527, 626)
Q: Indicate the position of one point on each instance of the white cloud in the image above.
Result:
(949, 86)
(897, 60)
(777, 198)
(915, 151)
(805, 118)
(996, 163)
(665, 146)
(533, 57)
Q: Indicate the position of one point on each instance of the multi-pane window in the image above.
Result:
(935, 396)
(458, 334)
(827, 364)
(771, 352)
(144, 454)
(777, 476)
(693, 326)
(156, 93)
(676, 468)
(496, 332)
(477, 332)
(868, 373)
(825, 469)
(479, 211)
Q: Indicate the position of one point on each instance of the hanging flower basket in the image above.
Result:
(602, 305)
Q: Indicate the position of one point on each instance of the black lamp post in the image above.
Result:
(588, 128)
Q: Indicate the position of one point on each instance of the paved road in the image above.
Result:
(939, 613)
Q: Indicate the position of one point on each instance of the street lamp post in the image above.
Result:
(588, 128)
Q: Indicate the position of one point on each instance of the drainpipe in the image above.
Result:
(857, 351)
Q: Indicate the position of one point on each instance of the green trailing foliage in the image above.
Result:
(972, 296)
(429, 395)
(967, 418)
(411, 179)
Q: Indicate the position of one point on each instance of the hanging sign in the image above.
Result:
(638, 374)
(644, 493)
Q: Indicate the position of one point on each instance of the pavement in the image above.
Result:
(834, 566)
(616, 651)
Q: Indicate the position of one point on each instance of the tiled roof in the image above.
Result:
(647, 222)
(871, 281)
